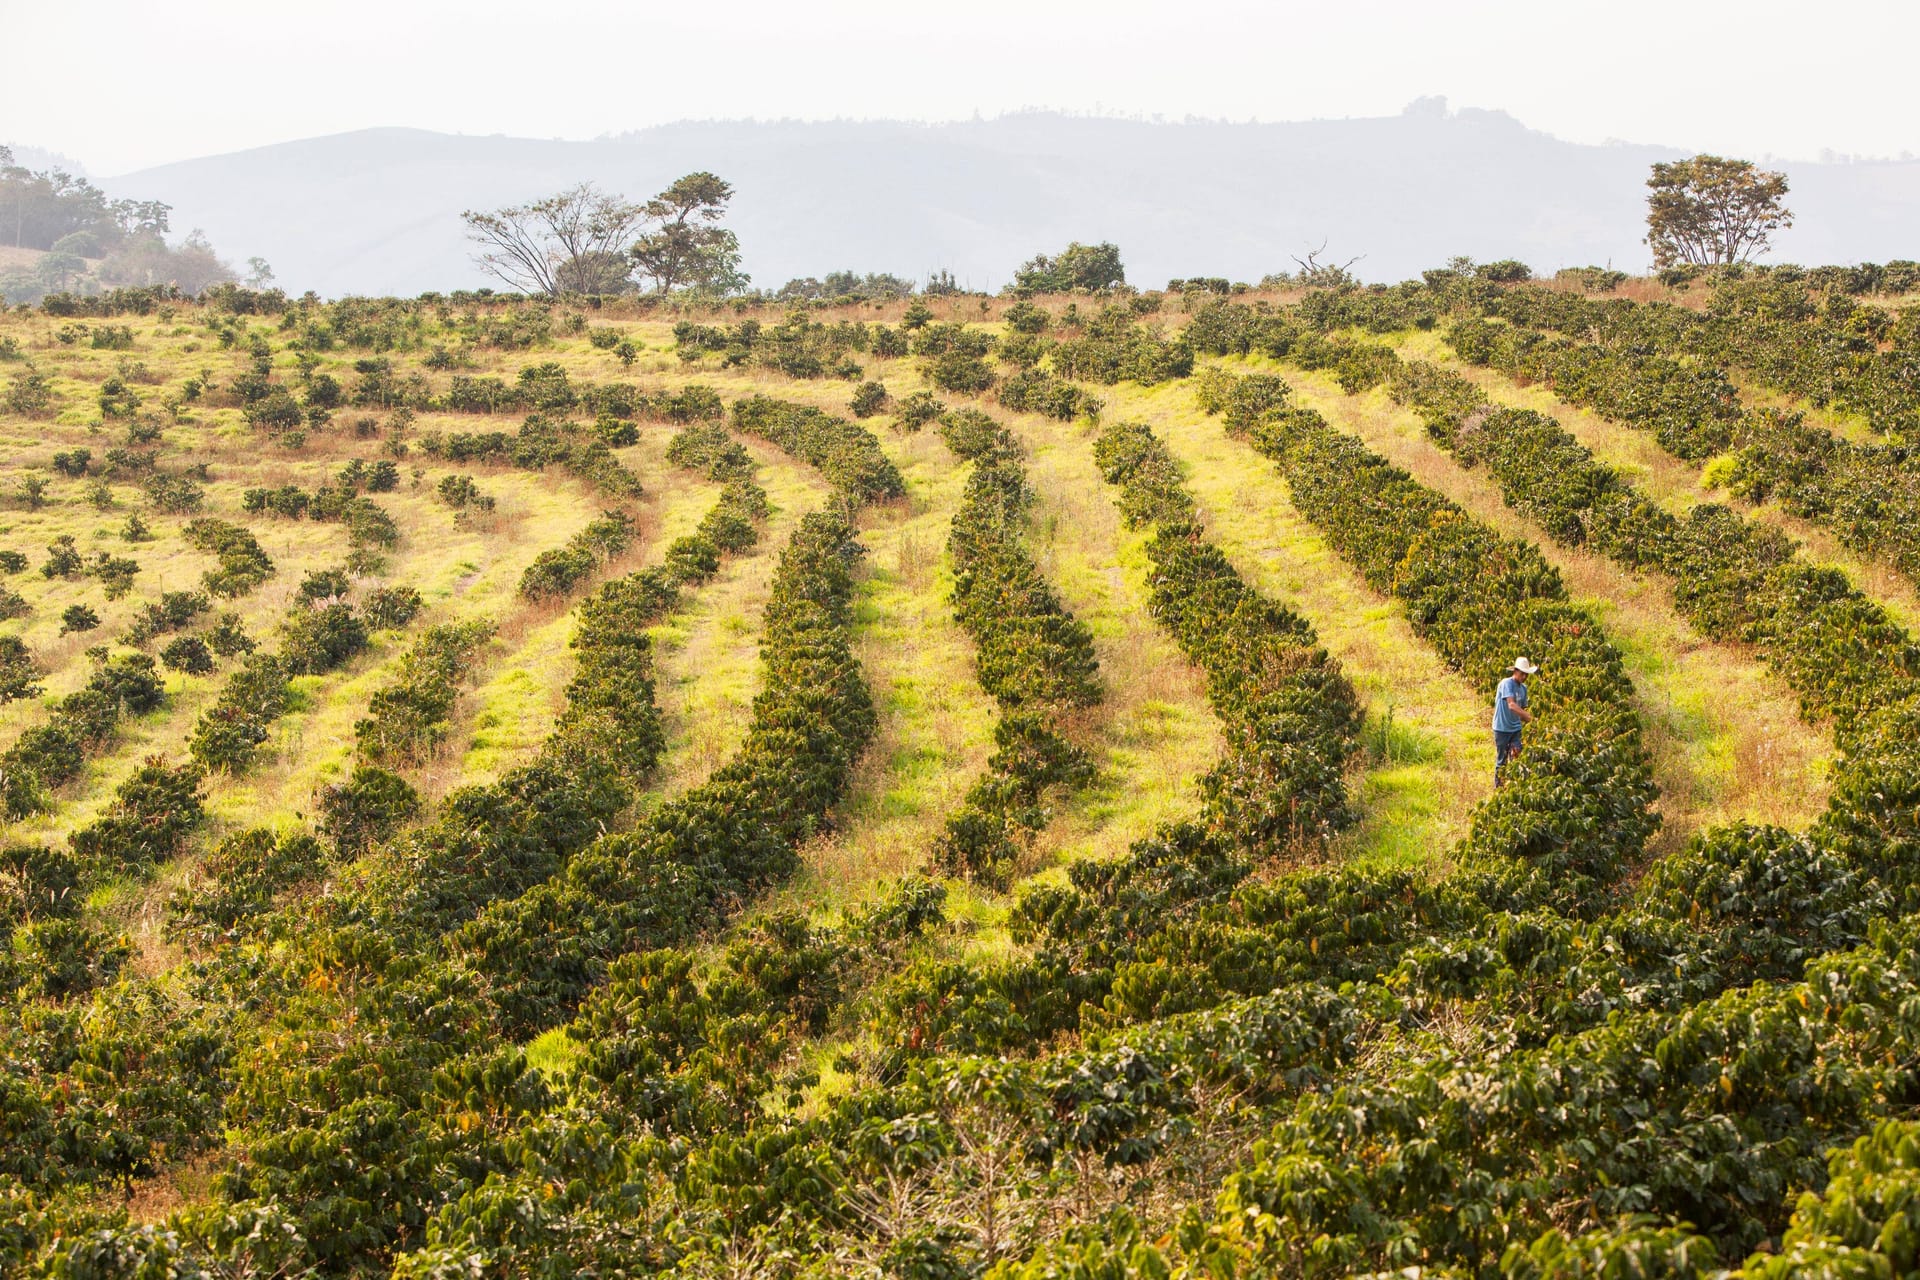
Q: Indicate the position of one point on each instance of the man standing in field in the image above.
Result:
(1510, 715)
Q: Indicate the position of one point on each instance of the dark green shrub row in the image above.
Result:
(1030, 649)
(407, 717)
(1693, 411)
(228, 733)
(153, 811)
(556, 571)
(1114, 346)
(1037, 391)
(540, 443)
(848, 455)
(1152, 491)
(243, 565)
(1032, 655)
(798, 346)
(291, 502)
(710, 448)
(1292, 719)
(47, 755)
(1004, 809)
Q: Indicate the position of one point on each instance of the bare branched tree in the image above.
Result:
(572, 242)
(1326, 275)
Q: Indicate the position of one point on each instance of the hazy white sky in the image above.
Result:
(124, 84)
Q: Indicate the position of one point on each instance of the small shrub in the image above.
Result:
(321, 638)
(78, 618)
(114, 573)
(460, 493)
(227, 638)
(188, 655)
(959, 371)
(30, 394)
(869, 398)
(390, 607)
(367, 808)
(323, 584)
(63, 559)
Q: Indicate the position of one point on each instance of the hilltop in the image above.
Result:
(377, 211)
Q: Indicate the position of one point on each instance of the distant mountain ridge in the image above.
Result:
(378, 211)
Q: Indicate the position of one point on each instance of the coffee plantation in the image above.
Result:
(944, 785)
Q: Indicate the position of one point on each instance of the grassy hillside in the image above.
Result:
(956, 787)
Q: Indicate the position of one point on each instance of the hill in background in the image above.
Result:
(378, 211)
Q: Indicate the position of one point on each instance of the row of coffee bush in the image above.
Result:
(1033, 657)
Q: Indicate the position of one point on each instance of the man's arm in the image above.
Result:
(1526, 716)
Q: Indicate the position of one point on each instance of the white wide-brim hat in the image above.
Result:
(1523, 666)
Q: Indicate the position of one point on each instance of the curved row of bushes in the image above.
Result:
(847, 454)
(1033, 657)
(1291, 717)
(45, 756)
(1868, 494)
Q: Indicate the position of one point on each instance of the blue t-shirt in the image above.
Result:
(1504, 720)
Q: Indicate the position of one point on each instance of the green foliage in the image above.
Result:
(367, 809)
(239, 881)
(320, 637)
(1115, 347)
(1710, 211)
(19, 674)
(153, 811)
(869, 398)
(1079, 266)
(30, 394)
(189, 655)
(407, 718)
(916, 410)
(1037, 391)
(688, 248)
(847, 455)
(243, 565)
(558, 571)
(78, 618)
